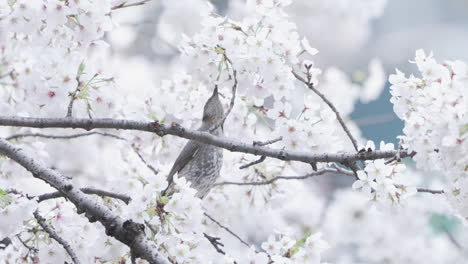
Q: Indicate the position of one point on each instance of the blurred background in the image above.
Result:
(404, 27)
(348, 34)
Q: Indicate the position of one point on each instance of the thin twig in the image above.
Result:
(342, 170)
(125, 5)
(332, 107)
(453, 239)
(52, 234)
(398, 155)
(424, 190)
(260, 160)
(53, 195)
(231, 104)
(354, 167)
(10, 73)
(31, 249)
(235, 235)
(150, 227)
(272, 180)
(72, 101)
(227, 230)
(73, 95)
(14, 191)
(268, 142)
(149, 166)
(215, 243)
(78, 135)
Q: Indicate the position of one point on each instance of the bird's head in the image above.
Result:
(213, 111)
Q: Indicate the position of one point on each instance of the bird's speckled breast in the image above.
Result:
(203, 170)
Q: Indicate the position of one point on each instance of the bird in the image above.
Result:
(201, 163)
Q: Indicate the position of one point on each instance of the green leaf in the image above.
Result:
(300, 243)
(150, 211)
(84, 92)
(153, 117)
(164, 200)
(5, 200)
(294, 251)
(463, 130)
(2, 192)
(219, 50)
(142, 180)
(81, 69)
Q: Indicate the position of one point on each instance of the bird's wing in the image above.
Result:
(184, 157)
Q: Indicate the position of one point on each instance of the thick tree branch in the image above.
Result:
(332, 107)
(126, 231)
(52, 234)
(78, 135)
(204, 137)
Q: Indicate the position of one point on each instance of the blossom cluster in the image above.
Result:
(16, 208)
(54, 57)
(434, 109)
(283, 249)
(32, 244)
(264, 48)
(175, 222)
(378, 179)
(47, 55)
